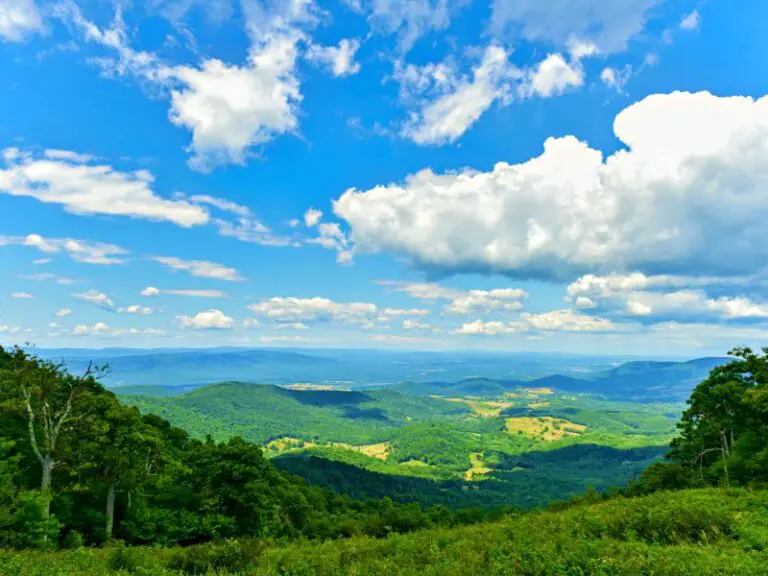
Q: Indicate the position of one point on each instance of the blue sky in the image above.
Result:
(583, 175)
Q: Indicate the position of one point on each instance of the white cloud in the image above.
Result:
(79, 250)
(97, 298)
(691, 22)
(246, 228)
(552, 76)
(251, 323)
(686, 194)
(462, 101)
(289, 309)
(607, 24)
(22, 296)
(409, 19)
(230, 109)
(462, 301)
(482, 301)
(136, 309)
(40, 261)
(641, 295)
(200, 268)
(426, 291)
(490, 328)
(210, 319)
(19, 19)
(84, 188)
(100, 329)
(150, 291)
(409, 324)
(339, 60)
(616, 78)
(62, 312)
(6, 329)
(405, 312)
(584, 302)
(568, 321)
(329, 235)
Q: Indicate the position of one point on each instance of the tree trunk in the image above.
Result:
(47, 463)
(110, 511)
(45, 485)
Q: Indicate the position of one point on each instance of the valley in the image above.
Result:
(477, 441)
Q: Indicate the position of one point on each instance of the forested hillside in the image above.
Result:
(78, 467)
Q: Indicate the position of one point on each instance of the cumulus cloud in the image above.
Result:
(62, 312)
(229, 108)
(19, 19)
(289, 309)
(686, 194)
(150, 291)
(79, 250)
(609, 25)
(97, 299)
(493, 328)
(481, 301)
(552, 321)
(554, 75)
(568, 321)
(88, 188)
(339, 60)
(209, 320)
(667, 296)
(22, 296)
(458, 102)
(200, 268)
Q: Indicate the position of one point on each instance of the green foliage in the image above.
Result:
(723, 434)
(704, 532)
(31, 525)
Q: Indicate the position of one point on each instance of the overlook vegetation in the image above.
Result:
(79, 467)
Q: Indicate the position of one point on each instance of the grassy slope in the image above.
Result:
(702, 532)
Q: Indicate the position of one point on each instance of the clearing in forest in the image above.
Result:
(482, 408)
(287, 444)
(534, 405)
(380, 451)
(478, 467)
(543, 427)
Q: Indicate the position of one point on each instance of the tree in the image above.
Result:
(726, 422)
(120, 451)
(52, 400)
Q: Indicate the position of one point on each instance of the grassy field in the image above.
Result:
(696, 532)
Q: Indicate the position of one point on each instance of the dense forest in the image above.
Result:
(78, 467)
